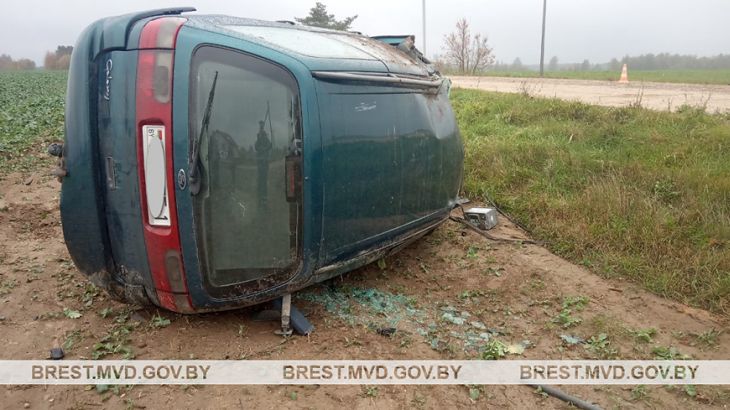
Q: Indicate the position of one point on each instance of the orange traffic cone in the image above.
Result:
(624, 75)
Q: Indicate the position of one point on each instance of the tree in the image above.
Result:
(64, 50)
(469, 54)
(49, 61)
(585, 65)
(614, 65)
(318, 17)
(58, 60)
(7, 63)
(517, 65)
(25, 64)
(553, 64)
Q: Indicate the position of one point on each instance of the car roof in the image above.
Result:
(318, 48)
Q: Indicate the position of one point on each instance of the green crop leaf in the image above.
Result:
(159, 321)
(71, 314)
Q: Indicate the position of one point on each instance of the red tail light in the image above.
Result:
(155, 161)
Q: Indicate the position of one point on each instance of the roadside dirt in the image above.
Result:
(657, 96)
(516, 291)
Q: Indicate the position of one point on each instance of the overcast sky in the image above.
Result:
(576, 29)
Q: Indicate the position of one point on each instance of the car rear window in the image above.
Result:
(247, 226)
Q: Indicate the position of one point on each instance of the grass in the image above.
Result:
(31, 116)
(709, 76)
(630, 193)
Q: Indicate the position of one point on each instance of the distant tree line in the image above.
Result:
(662, 61)
(7, 63)
(58, 60)
(665, 61)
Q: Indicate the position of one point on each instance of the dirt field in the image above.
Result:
(658, 96)
(516, 291)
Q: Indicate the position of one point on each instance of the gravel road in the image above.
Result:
(658, 96)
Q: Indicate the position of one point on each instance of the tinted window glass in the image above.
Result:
(247, 226)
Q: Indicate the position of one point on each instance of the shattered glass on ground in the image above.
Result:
(442, 327)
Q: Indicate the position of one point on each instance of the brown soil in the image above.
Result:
(515, 288)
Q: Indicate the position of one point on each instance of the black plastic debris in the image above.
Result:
(55, 149)
(57, 353)
(386, 331)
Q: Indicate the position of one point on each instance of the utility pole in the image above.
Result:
(542, 44)
(424, 27)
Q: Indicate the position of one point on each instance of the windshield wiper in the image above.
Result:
(194, 170)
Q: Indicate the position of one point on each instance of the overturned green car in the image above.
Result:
(214, 162)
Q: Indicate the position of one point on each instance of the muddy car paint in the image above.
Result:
(380, 159)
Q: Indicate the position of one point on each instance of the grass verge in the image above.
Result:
(628, 192)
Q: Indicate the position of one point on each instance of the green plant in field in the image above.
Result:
(566, 319)
(469, 294)
(540, 392)
(370, 391)
(668, 353)
(105, 348)
(494, 350)
(159, 321)
(471, 253)
(575, 302)
(71, 314)
(31, 116)
(418, 401)
(570, 305)
(600, 345)
(7, 286)
(639, 392)
(72, 338)
(709, 337)
(475, 391)
(116, 341)
(90, 292)
(644, 335)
